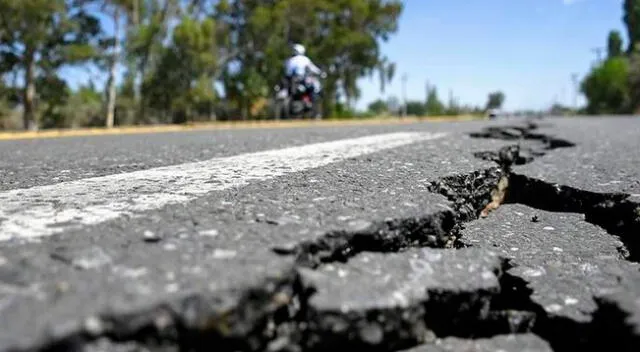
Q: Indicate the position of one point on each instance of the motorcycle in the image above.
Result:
(294, 99)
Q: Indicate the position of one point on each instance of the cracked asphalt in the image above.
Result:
(503, 235)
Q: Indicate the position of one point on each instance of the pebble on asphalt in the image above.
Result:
(151, 237)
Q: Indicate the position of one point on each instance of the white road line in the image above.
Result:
(46, 210)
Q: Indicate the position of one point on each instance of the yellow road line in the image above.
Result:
(99, 131)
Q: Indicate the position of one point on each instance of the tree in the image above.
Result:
(559, 110)
(250, 38)
(84, 107)
(147, 33)
(377, 107)
(342, 36)
(453, 107)
(433, 105)
(631, 18)
(614, 44)
(40, 36)
(183, 81)
(393, 105)
(386, 72)
(634, 81)
(113, 71)
(119, 11)
(607, 87)
(175, 53)
(631, 9)
(53, 96)
(416, 108)
(5, 108)
(495, 100)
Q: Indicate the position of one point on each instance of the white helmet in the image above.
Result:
(298, 49)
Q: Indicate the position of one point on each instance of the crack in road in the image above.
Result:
(231, 321)
(512, 310)
(612, 211)
(276, 314)
(435, 230)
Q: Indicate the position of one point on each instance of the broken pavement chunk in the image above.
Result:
(564, 267)
(396, 300)
(618, 316)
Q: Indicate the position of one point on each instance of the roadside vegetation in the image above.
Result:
(613, 85)
(177, 61)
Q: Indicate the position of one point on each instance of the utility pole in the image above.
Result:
(404, 95)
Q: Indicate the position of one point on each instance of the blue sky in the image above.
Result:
(526, 48)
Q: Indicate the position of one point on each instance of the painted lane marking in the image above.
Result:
(46, 210)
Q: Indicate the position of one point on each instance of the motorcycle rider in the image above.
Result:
(299, 64)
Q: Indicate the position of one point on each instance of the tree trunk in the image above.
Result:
(111, 82)
(166, 12)
(136, 13)
(328, 99)
(29, 93)
(244, 110)
(212, 112)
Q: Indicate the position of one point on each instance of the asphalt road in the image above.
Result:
(470, 236)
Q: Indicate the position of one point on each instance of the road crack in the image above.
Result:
(237, 320)
(275, 315)
(614, 212)
(436, 230)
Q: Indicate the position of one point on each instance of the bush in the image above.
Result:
(607, 87)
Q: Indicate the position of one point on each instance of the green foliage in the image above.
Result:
(495, 100)
(40, 36)
(453, 108)
(377, 107)
(342, 36)
(183, 80)
(634, 82)
(176, 52)
(613, 87)
(386, 72)
(560, 110)
(631, 18)
(5, 110)
(53, 96)
(607, 87)
(416, 108)
(83, 108)
(614, 44)
(342, 111)
(433, 105)
(187, 60)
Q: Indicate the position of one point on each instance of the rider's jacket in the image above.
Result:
(298, 65)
